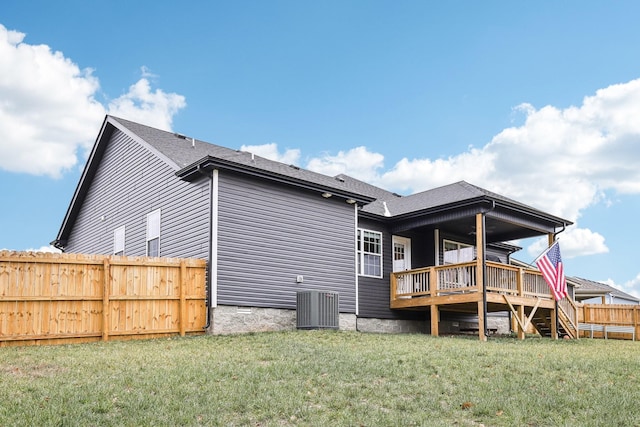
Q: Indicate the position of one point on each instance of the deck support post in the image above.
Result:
(554, 322)
(481, 325)
(435, 318)
(480, 267)
(520, 315)
(521, 330)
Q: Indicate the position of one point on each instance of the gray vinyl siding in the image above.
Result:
(422, 248)
(374, 292)
(269, 233)
(130, 183)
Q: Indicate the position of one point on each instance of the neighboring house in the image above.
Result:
(590, 292)
(269, 229)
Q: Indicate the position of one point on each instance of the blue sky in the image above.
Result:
(539, 101)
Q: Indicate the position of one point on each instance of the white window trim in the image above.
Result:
(119, 235)
(153, 232)
(360, 253)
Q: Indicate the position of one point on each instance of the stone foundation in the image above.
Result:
(348, 322)
(392, 326)
(235, 320)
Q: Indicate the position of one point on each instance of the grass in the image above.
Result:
(318, 378)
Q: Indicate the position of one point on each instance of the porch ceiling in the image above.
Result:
(502, 223)
(496, 229)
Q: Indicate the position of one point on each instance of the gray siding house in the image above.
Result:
(268, 229)
(591, 292)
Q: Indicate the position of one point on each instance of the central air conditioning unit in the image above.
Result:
(317, 310)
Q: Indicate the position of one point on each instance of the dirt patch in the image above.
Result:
(40, 370)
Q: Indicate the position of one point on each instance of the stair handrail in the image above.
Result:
(572, 320)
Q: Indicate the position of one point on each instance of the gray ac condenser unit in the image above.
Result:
(317, 310)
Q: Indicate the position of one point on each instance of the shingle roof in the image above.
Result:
(449, 194)
(187, 156)
(589, 287)
(185, 151)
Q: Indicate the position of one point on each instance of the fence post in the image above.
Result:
(635, 319)
(183, 306)
(106, 286)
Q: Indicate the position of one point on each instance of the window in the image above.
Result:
(455, 253)
(118, 241)
(369, 253)
(153, 233)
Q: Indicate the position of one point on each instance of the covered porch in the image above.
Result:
(481, 279)
(466, 288)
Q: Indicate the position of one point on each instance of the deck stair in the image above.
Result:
(542, 322)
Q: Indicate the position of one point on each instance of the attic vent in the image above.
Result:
(339, 178)
(181, 136)
(295, 167)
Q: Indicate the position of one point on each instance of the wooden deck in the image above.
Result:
(469, 288)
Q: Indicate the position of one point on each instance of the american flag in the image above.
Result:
(550, 265)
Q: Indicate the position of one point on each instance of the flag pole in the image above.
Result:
(552, 241)
(551, 237)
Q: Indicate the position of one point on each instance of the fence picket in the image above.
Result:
(64, 298)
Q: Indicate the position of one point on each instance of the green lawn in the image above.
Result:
(323, 378)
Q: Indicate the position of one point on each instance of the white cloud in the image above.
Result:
(573, 242)
(358, 162)
(421, 174)
(631, 287)
(270, 151)
(141, 104)
(47, 107)
(48, 249)
(49, 111)
(561, 161)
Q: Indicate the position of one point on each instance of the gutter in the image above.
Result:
(209, 162)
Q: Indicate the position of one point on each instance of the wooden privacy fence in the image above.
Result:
(610, 315)
(68, 298)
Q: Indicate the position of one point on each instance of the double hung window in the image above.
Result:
(369, 253)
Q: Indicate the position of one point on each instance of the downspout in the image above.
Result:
(207, 299)
(564, 227)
